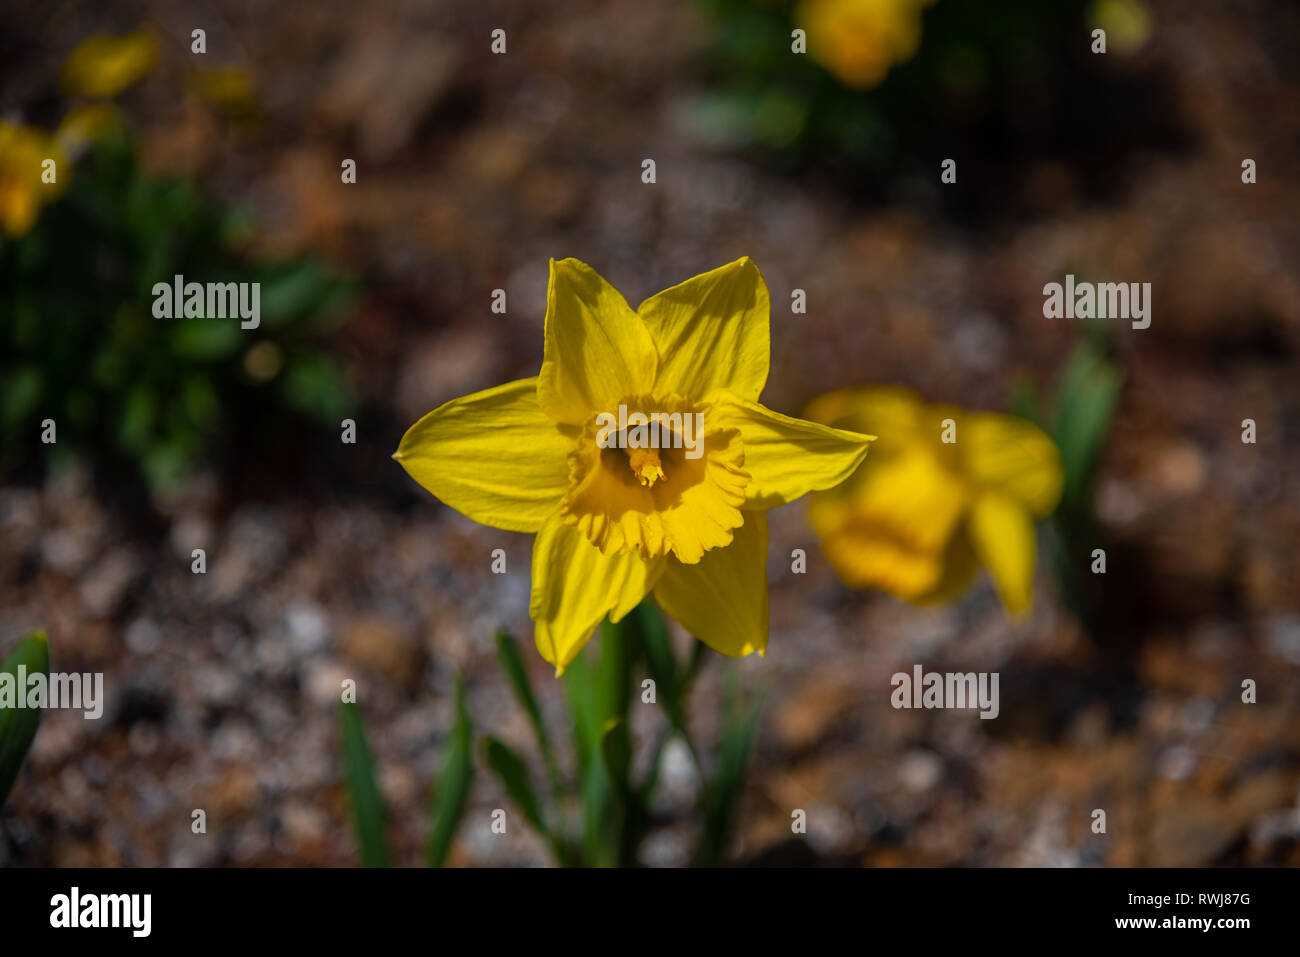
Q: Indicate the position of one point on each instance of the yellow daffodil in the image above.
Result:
(616, 521)
(231, 89)
(861, 40)
(104, 66)
(86, 125)
(1127, 24)
(943, 492)
(23, 152)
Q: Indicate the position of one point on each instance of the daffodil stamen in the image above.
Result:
(646, 466)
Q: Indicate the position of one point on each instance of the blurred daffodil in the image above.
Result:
(230, 89)
(23, 154)
(859, 41)
(85, 126)
(104, 66)
(943, 492)
(616, 522)
(1127, 24)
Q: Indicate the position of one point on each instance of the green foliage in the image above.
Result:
(1079, 423)
(451, 789)
(1085, 406)
(79, 343)
(18, 725)
(971, 58)
(367, 803)
(513, 774)
(615, 803)
(513, 666)
(720, 803)
(450, 792)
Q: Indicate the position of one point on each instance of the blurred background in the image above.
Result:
(324, 561)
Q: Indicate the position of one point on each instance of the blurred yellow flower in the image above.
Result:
(85, 125)
(616, 519)
(923, 513)
(104, 66)
(861, 40)
(23, 151)
(1127, 24)
(229, 88)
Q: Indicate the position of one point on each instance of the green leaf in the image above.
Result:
(513, 666)
(653, 633)
(720, 802)
(627, 814)
(201, 402)
(294, 291)
(451, 790)
(587, 707)
(135, 427)
(599, 841)
(18, 725)
(619, 647)
(616, 750)
(315, 385)
(205, 339)
(513, 775)
(1086, 403)
(165, 463)
(584, 705)
(19, 395)
(367, 804)
(517, 675)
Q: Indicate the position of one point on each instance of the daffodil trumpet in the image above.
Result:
(684, 521)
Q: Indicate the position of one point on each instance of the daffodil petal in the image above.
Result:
(860, 40)
(872, 554)
(575, 587)
(492, 455)
(23, 151)
(959, 567)
(104, 66)
(894, 413)
(597, 350)
(711, 332)
(17, 210)
(788, 457)
(722, 599)
(1013, 456)
(1002, 534)
(890, 525)
(87, 124)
